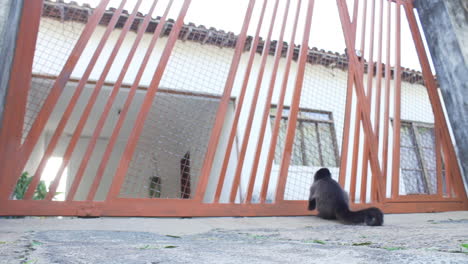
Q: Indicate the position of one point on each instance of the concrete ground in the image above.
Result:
(404, 238)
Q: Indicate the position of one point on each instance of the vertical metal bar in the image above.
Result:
(253, 106)
(223, 105)
(279, 109)
(110, 101)
(266, 111)
(397, 107)
(16, 99)
(73, 101)
(349, 99)
(286, 157)
(91, 101)
(357, 122)
(146, 106)
(123, 112)
(240, 102)
(387, 98)
(370, 78)
(363, 29)
(378, 100)
(365, 117)
(438, 160)
(346, 128)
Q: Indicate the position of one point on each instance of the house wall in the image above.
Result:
(203, 69)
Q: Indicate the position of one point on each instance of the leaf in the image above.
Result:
(170, 246)
(144, 247)
(173, 236)
(36, 243)
(393, 248)
(319, 242)
(464, 245)
(362, 244)
(3, 242)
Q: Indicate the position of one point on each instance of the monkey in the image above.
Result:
(332, 201)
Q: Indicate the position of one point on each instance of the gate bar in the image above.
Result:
(279, 109)
(73, 101)
(11, 126)
(240, 102)
(59, 84)
(397, 107)
(378, 99)
(349, 99)
(146, 106)
(291, 130)
(110, 101)
(370, 78)
(253, 106)
(267, 107)
(91, 101)
(345, 19)
(223, 105)
(386, 102)
(434, 98)
(123, 113)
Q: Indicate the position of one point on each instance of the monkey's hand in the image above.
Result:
(311, 205)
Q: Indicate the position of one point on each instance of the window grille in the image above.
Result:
(315, 140)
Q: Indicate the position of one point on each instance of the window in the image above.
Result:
(418, 158)
(315, 139)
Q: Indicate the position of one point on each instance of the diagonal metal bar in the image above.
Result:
(292, 122)
(73, 101)
(359, 87)
(146, 106)
(253, 106)
(92, 100)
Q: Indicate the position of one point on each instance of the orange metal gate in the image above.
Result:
(145, 116)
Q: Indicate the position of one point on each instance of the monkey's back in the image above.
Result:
(329, 195)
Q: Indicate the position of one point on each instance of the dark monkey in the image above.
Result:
(331, 202)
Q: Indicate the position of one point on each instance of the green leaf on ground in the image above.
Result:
(464, 245)
(394, 248)
(170, 246)
(362, 244)
(3, 242)
(173, 236)
(319, 242)
(36, 243)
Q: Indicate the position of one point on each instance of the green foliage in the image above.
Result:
(319, 242)
(170, 246)
(173, 236)
(394, 248)
(362, 244)
(22, 186)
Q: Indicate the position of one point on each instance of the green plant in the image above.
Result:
(22, 185)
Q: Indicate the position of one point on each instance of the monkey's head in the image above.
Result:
(323, 173)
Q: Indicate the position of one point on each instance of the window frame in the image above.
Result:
(315, 122)
(414, 125)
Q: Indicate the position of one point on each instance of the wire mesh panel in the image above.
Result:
(132, 105)
(172, 146)
(59, 29)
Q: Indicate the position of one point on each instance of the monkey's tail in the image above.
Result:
(371, 216)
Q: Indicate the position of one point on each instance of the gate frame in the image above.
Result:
(10, 136)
